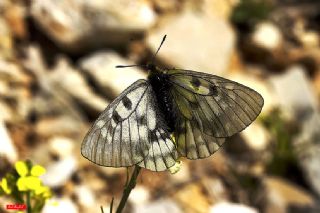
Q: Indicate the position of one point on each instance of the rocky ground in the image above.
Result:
(57, 73)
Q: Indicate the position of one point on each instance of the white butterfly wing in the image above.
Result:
(123, 135)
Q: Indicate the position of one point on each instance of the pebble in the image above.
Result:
(101, 66)
(77, 25)
(64, 167)
(61, 205)
(8, 148)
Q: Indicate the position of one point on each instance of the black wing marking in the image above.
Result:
(121, 135)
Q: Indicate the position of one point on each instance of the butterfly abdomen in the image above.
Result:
(161, 87)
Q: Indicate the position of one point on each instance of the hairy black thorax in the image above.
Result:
(160, 83)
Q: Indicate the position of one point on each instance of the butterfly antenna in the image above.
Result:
(133, 65)
(154, 56)
(143, 65)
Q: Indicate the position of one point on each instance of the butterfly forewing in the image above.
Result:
(223, 106)
(121, 136)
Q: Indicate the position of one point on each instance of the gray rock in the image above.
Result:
(160, 206)
(76, 24)
(299, 103)
(294, 92)
(63, 83)
(101, 66)
(208, 48)
(307, 147)
(70, 81)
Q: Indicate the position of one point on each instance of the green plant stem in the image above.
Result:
(128, 188)
(29, 210)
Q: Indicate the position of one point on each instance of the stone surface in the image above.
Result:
(294, 92)
(139, 196)
(160, 206)
(76, 25)
(208, 49)
(281, 194)
(85, 197)
(75, 85)
(225, 207)
(60, 125)
(307, 146)
(6, 42)
(101, 66)
(61, 147)
(199, 201)
(256, 137)
(267, 35)
(217, 191)
(8, 149)
(61, 205)
(64, 167)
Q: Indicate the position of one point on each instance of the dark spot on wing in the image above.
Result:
(127, 102)
(116, 117)
(142, 120)
(195, 82)
(153, 136)
(194, 105)
(213, 90)
(164, 136)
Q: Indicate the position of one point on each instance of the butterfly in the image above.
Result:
(174, 113)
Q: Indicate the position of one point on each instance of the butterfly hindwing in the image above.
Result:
(193, 130)
(121, 136)
(211, 108)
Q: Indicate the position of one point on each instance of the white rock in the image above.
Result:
(8, 149)
(225, 207)
(140, 195)
(101, 66)
(78, 24)
(85, 196)
(208, 48)
(160, 206)
(63, 147)
(59, 172)
(61, 205)
(256, 137)
(267, 35)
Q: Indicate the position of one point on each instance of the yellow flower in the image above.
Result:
(37, 170)
(22, 184)
(28, 183)
(44, 191)
(5, 187)
(21, 168)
